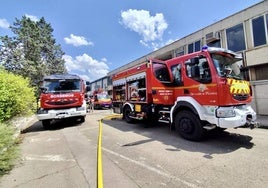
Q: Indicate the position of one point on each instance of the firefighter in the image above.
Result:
(91, 103)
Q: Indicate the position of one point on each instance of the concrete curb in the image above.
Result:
(22, 123)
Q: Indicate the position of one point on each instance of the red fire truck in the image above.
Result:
(62, 96)
(193, 93)
(101, 99)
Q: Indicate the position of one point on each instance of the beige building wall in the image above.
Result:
(260, 97)
(257, 56)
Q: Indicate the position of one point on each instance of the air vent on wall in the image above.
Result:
(213, 36)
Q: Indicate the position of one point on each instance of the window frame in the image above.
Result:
(194, 45)
(244, 36)
(265, 24)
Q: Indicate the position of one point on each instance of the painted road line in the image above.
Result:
(152, 169)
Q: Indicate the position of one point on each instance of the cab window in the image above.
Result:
(197, 68)
(176, 72)
(161, 72)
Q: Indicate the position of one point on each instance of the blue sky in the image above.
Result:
(99, 36)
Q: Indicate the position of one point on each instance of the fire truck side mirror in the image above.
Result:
(88, 88)
(43, 89)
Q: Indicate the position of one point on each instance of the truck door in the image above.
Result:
(162, 92)
(199, 80)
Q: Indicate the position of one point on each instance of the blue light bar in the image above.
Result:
(205, 47)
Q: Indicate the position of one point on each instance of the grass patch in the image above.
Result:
(9, 148)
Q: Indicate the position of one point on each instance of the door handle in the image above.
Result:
(186, 91)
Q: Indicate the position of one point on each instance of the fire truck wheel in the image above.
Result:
(46, 124)
(189, 126)
(82, 119)
(126, 113)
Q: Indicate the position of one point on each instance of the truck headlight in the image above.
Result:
(82, 108)
(225, 112)
(42, 111)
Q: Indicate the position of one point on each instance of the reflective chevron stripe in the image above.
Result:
(238, 86)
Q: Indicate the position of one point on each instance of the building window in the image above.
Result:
(258, 29)
(267, 24)
(191, 48)
(236, 38)
(216, 43)
(197, 46)
(194, 47)
(179, 52)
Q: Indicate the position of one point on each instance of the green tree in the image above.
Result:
(17, 98)
(32, 52)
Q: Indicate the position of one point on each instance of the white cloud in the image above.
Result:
(33, 18)
(151, 28)
(4, 23)
(77, 40)
(87, 67)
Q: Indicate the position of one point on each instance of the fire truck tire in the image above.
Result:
(82, 119)
(189, 126)
(126, 113)
(46, 124)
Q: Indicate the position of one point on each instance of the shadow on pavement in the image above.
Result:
(55, 125)
(216, 142)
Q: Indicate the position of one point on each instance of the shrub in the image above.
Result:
(16, 96)
(8, 148)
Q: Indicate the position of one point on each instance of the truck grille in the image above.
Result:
(241, 97)
(67, 102)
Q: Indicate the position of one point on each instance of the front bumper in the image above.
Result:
(61, 113)
(104, 105)
(244, 116)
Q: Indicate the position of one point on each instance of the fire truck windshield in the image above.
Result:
(103, 96)
(52, 86)
(227, 65)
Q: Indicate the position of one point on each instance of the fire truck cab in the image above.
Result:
(193, 93)
(62, 96)
(101, 99)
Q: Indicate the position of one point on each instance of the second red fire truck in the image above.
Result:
(62, 96)
(192, 93)
(101, 99)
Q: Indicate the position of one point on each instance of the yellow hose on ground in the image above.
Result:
(99, 153)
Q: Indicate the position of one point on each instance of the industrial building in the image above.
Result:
(244, 32)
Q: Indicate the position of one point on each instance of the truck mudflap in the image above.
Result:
(61, 113)
(245, 116)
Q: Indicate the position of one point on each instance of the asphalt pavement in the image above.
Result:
(263, 120)
(23, 175)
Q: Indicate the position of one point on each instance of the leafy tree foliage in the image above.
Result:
(17, 98)
(32, 52)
